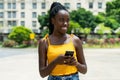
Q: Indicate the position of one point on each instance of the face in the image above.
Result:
(61, 21)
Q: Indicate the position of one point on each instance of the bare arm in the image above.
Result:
(44, 68)
(81, 64)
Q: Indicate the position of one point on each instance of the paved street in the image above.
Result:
(22, 64)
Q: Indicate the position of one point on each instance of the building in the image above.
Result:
(25, 12)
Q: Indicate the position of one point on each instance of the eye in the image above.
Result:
(61, 19)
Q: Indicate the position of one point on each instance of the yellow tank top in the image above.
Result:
(54, 51)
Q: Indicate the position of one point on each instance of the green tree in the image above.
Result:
(100, 18)
(101, 29)
(117, 31)
(45, 31)
(87, 31)
(20, 34)
(74, 27)
(112, 23)
(113, 9)
(85, 18)
(43, 20)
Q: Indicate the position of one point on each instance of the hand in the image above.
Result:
(62, 59)
(71, 61)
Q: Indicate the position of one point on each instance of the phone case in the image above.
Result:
(69, 53)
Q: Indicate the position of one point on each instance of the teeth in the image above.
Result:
(64, 27)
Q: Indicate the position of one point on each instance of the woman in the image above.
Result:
(52, 60)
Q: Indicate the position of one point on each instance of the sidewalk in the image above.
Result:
(103, 64)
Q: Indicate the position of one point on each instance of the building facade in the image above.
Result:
(25, 12)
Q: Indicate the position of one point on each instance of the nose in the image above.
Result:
(65, 23)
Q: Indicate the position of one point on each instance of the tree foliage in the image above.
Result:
(112, 23)
(74, 27)
(85, 18)
(113, 8)
(102, 29)
(81, 19)
(100, 18)
(117, 31)
(43, 20)
(20, 34)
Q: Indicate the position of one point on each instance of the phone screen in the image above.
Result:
(69, 53)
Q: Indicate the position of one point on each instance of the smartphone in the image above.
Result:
(69, 53)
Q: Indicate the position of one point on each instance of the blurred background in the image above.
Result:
(95, 22)
(24, 22)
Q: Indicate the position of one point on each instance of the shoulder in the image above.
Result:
(76, 40)
(43, 41)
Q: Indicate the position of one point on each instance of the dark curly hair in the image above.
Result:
(55, 8)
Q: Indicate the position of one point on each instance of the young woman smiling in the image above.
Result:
(52, 60)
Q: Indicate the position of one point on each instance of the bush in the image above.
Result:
(117, 40)
(9, 43)
(35, 42)
(26, 43)
(107, 42)
(20, 34)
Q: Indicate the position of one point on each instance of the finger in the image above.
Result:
(67, 57)
(72, 63)
(64, 61)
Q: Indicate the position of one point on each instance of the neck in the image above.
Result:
(58, 38)
(59, 35)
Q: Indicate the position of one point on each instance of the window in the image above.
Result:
(13, 14)
(34, 23)
(43, 13)
(78, 5)
(90, 4)
(22, 5)
(13, 5)
(1, 15)
(9, 23)
(9, 14)
(34, 14)
(1, 23)
(99, 5)
(12, 23)
(22, 23)
(9, 5)
(43, 5)
(22, 14)
(67, 5)
(34, 5)
(1, 6)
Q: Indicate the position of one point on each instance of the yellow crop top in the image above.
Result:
(54, 51)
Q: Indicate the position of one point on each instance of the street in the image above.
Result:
(22, 64)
